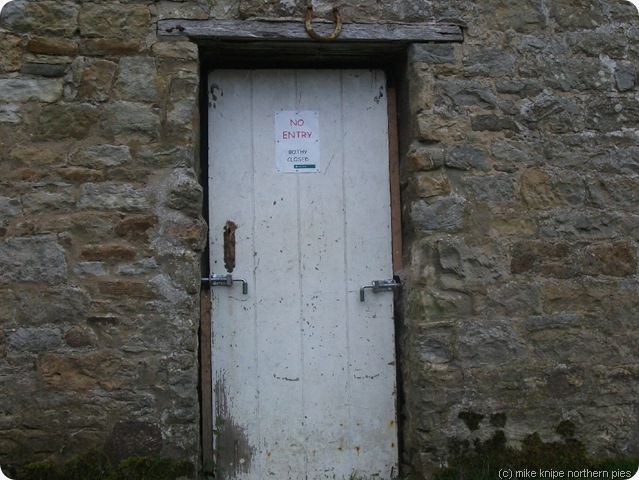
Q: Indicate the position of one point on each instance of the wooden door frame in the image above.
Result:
(260, 44)
(206, 387)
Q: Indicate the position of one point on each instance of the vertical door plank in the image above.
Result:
(231, 186)
(371, 330)
(277, 285)
(322, 248)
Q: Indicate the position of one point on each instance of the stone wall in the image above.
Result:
(520, 175)
(100, 233)
(521, 179)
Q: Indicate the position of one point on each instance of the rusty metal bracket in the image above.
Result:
(308, 25)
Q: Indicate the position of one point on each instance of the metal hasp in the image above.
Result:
(379, 286)
(225, 280)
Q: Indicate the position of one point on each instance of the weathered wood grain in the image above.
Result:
(351, 32)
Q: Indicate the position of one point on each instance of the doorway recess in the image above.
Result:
(259, 44)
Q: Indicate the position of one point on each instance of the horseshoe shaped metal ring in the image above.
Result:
(308, 25)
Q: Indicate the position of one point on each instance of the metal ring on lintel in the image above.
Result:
(308, 25)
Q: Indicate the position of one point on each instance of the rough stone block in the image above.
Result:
(51, 45)
(489, 62)
(107, 253)
(569, 74)
(430, 184)
(92, 79)
(35, 339)
(9, 208)
(588, 224)
(133, 439)
(489, 344)
(131, 118)
(7, 305)
(565, 260)
(536, 189)
(547, 258)
(184, 231)
(446, 214)
(610, 115)
(609, 38)
(136, 227)
(626, 77)
(432, 53)
(39, 306)
(137, 79)
(545, 190)
(143, 267)
(78, 337)
(186, 10)
(100, 156)
(114, 20)
(112, 196)
(177, 50)
(110, 46)
(84, 269)
(467, 157)
(184, 193)
(619, 191)
(467, 93)
(11, 53)
(516, 152)
(494, 189)
(62, 121)
(55, 18)
(522, 16)
(44, 69)
(554, 114)
(10, 113)
(124, 288)
(48, 200)
(37, 259)
(515, 299)
(30, 89)
(181, 119)
(158, 156)
(577, 14)
(434, 344)
(493, 123)
(40, 154)
(523, 88)
(618, 259)
(423, 157)
(81, 372)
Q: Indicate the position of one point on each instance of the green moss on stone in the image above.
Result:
(485, 460)
(95, 465)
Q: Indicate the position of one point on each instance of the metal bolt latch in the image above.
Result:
(225, 280)
(379, 286)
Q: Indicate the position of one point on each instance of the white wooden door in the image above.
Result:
(303, 371)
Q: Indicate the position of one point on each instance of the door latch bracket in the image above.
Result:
(388, 285)
(225, 280)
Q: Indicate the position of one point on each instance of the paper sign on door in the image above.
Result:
(297, 141)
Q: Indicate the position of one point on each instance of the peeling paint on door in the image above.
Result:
(232, 445)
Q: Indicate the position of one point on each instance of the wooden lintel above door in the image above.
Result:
(283, 44)
(230, 30)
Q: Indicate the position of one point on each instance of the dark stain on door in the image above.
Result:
(229, 245)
